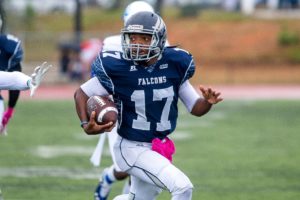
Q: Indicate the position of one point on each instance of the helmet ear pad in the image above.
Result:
(144, 23)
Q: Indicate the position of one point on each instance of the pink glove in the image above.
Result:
(6, 116)
(164, 147)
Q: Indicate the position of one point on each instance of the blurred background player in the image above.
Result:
(19, 81)
(11, 56)
(113, 173)
(10, 60)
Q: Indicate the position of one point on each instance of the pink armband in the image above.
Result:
(165, 147)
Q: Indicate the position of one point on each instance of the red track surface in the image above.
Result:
(244, 92)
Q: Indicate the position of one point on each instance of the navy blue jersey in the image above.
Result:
(11, 53)
(146, 97)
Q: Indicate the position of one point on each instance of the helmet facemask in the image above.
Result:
(140, 25)
(140, 52)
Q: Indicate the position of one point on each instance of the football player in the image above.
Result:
(113, 173)
(146, 80)
(11, 55)
(10, 60)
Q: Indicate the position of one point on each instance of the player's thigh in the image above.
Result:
(155, 169)
(127, 152)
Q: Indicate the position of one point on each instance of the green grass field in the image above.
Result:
(241, 150)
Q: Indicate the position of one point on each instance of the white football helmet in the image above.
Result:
(135, 7)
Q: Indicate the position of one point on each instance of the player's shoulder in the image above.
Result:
(181, 60)
(10, 42)
(112, 39)
(10, 38)
(112, 43)
(110, 59)
(177, 55)
(108, 63)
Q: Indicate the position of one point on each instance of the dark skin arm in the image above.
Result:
(203, 105)
(91, 128)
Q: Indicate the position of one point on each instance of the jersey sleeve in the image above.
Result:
(99, 71)
(14, 47)
(93, 87)
(17, 56)
(187, 65)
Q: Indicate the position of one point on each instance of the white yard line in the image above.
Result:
(57, 151)
(47, 171)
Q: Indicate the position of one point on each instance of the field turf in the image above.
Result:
(241, 150)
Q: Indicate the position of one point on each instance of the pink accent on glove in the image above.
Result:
(164, 147)
(6, 116)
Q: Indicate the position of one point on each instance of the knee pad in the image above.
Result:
(129, 196)
(187, 195)
(122, 197)
(175, 180)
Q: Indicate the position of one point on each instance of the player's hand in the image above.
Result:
(210, 95)
(93, 128)
(37, 76)
(5, 119)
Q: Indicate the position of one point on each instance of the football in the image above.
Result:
(105, 108)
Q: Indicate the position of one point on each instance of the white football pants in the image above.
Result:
(150, 172)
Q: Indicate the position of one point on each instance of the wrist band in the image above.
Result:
(83, 123)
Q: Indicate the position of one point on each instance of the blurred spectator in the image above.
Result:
(89, 51)
(64, 61)
(75, 60)
(76, 70)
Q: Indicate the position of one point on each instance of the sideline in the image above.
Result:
(260, 92)
(229, 92)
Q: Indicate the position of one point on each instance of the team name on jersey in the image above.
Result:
(152, 80)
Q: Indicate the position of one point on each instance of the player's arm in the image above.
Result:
(14, 81)
(90, 88)
(198, 105)
(20, 81)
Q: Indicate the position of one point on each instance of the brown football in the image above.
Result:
(105, 108)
